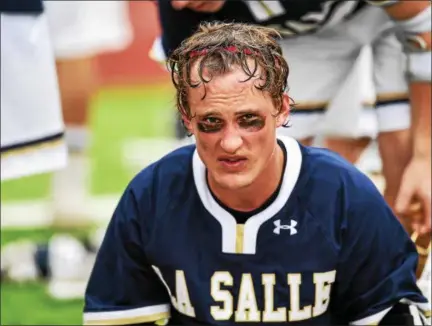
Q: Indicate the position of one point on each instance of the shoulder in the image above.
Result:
(344, 202)
(328, 169)
(172, 170)
(333, 185)
(157, 190)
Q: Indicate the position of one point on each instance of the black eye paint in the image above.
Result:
(252, 122)
(210, 125)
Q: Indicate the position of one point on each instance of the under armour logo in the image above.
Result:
(290, 227)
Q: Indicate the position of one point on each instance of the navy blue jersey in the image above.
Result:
(290, 17)
(21, 6)
(327, 251)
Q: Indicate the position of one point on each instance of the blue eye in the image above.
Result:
(210, 124)
(248, 116)
(251, 121)
(211, 120)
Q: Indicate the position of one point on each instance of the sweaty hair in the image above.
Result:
(221, 46)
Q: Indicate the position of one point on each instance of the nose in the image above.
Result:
(231, 141)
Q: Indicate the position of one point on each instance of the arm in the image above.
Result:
(414, 20)
(376, 271)
(123, 289)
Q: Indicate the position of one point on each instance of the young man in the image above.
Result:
(246, 227)
(322, 40)
(32, 128)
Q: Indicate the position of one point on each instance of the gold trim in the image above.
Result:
(162, 322)
(239, 238)
(381, 3)
(131, 320)
(33, 147)
(368, 103)
(266, 8)
(310, 105)
(427, 313)
(314, 105)
(392, 96)
(421, 251)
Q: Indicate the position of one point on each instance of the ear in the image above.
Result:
(285, 110)
(187, 123)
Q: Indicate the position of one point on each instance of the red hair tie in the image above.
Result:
(232, 49)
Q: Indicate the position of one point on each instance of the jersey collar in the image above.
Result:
(230, 238)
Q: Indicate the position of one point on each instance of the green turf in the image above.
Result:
(122, 115)
(37, 235)
(26, 188)
(117, 115)
(28, 304)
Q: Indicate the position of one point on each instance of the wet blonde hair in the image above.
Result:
(219, 46)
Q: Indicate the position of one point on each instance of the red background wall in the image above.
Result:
(133, 66)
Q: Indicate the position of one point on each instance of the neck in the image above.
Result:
(255, 195)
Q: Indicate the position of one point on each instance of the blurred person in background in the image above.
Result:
(81, 30)
(32, 130)
(323, 40)
(63, 262)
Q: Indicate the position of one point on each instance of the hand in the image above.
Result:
(414, 198)
(198, 5)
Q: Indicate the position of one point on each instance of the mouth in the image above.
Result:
(233, 163)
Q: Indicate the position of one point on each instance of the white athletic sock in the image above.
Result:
(77, 138)
(70, 185)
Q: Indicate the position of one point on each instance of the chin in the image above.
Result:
(234, 182)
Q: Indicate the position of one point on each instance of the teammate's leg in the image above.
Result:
(31, 120)
(313, 81)
(78, 82)
(352, 106)
(80, 31)
(354, 103)
(392, 110)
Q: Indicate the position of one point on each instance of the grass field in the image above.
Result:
(118, 116)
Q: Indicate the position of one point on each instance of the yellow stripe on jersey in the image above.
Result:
(310, 106)
(266, 8)
(33, 147)
(382, 3)
(130, 320)
(162, 322)
(395, 96)
(147, 314)
(305, 106)
(239, 238)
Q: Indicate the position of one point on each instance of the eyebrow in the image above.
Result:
(217, 113)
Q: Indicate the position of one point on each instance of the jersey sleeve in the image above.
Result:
(123, 289)
(415, 30)
(377, 262)
(177, 25)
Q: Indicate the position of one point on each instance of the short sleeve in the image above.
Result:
(123, 288)
(378, 260)
(174, 32)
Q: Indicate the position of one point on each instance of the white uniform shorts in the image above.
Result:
(348, 80)
(82, 29)
(31, 118)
